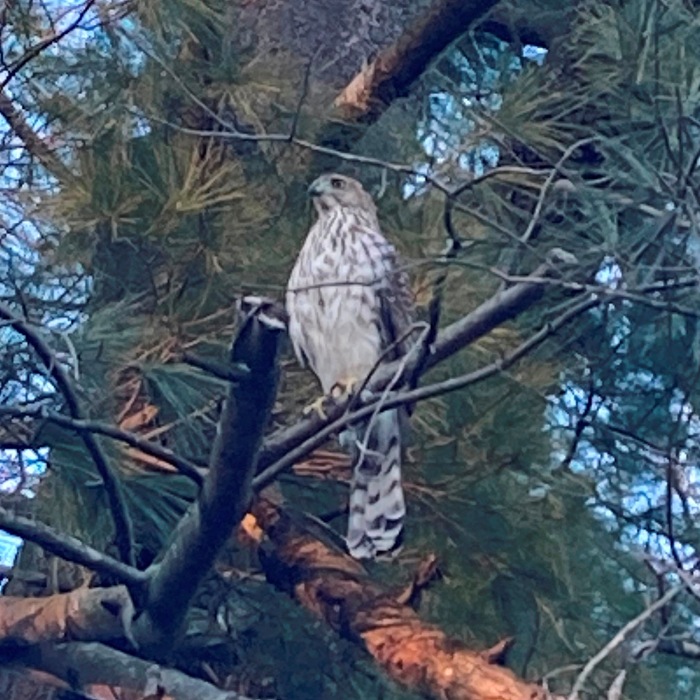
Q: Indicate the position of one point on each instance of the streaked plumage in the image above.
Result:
(348, 304)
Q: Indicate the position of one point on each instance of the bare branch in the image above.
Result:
(619, 638)
(312, 431)
(389, 400)
(70, 548)
(100, 664)
(44, 44)
(122, 524)
(233, 134)
(227, 486)
(183, 465)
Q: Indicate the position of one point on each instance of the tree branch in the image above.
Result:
(70, 548)
(392, 399)
(31, 140)
(122, 524)
(227, 486)
(412, 652)
(44, 44)
(679, 647)
(620, 637)
(396, 68)
(183, 465)
(85, 663)
(92, 614)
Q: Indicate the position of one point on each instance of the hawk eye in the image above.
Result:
(337, 183)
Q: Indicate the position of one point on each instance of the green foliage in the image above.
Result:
(281, 649)
(543, 489)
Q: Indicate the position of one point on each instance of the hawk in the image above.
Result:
(349, 309)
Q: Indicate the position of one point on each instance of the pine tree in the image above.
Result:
(155, 161)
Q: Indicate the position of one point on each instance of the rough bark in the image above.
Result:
(86, 613)
(396, 68)
(337, 589)
(338, 35)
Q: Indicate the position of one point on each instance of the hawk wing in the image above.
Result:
(377, 506)
(396, 314)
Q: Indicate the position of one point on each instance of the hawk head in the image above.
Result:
(333, 190)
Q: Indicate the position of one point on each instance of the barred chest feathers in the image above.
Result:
(335, 304)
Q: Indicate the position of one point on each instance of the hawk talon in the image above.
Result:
(317, 408)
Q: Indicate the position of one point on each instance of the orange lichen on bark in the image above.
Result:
(413, 652)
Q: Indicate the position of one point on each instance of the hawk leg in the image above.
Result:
(343, 388)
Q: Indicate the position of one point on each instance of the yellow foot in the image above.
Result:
(343, 387)
(316, 407)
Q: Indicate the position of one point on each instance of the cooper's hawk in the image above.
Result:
(350, 306)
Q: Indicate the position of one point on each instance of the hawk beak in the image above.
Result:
(315, 189)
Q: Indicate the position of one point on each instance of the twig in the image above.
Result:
(304, 92)
(44, 44)
(282, 138)
(619, 638)
(70, 548)
(546, 186)
(319, 436)
(122, 523)
(189, 469)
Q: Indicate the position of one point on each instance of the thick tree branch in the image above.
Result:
(91, 614)
(84, 664)
(227, 487)
(122, 523)
(414, 653)
(392, 73)
(70, 548)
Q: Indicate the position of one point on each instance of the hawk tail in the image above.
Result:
(377, 505)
